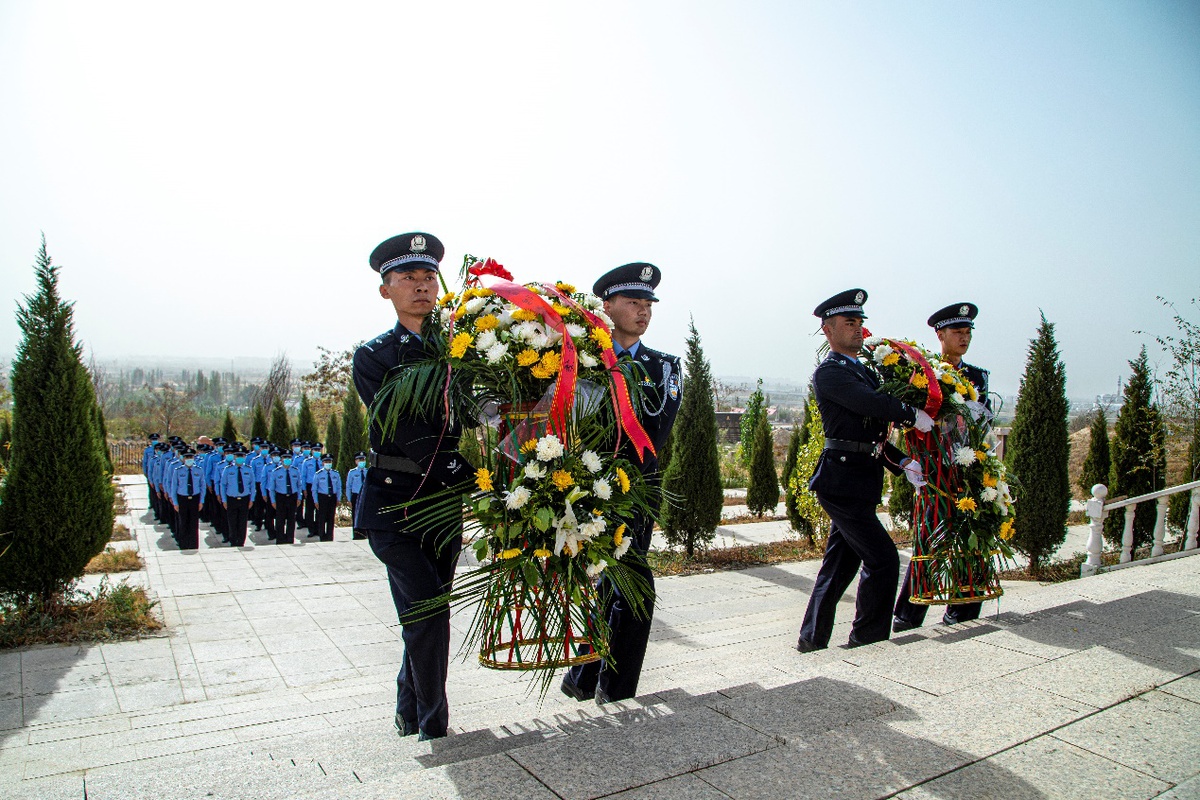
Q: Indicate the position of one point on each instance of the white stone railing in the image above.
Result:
(1097, 511)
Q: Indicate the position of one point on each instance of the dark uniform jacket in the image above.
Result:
(660, 390)
(852, 409)
(978, 376)
(429, 442)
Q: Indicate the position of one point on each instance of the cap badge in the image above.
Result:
(964, 310)
(647, 273)
(859, 297)
(417, 245)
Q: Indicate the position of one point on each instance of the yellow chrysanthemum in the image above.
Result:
(619, 535)
(511, 553)
(565, 288)
(447, 299)
(482, 292)
(460, 343)
(622, 480)
(601, 337)
(919, 380)
(1006, 530)
(483, 479)
(486, 323)
(542, 552)
(981, 456)
(527, 356)
(989, 480)
(561, 309)
(891, 359)
(460, 312)
(524, 315)
(962, 390)
(948, 379)
(562, 479)
(971, 393)
(529, 446)
(549, 366)
(966, 504)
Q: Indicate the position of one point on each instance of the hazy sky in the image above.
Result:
(213, 177)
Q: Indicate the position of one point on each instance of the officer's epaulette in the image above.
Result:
(972, 366)
(380, 340)
(837, 359)
(646, 353)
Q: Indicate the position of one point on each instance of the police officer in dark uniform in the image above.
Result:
(954, 325)
(147, 455)
(188, 494)
(416, 460)
(628, 295)
(355, 479)
(848, 480)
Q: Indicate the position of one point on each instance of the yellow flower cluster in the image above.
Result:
(529, 446)
(1006, 530)
(565, 288)
(619, 535)
(447, 299)
(483, 479)
(460, 343)
(476, 291)
(562, 479)
(623, 480)
(948, 379)
(527, 356)
(989, 480)
(524, 315)
(549, 366)
(542, 552)
(966, 504)
(891, 359)
(601, 337)
(486, 323)
(981, 456)
(510, 553)
(919, 380)
(561, 309)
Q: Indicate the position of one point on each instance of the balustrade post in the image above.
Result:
(1127, 535)
(1193, 523)
(1160, 526)
(1095, 510)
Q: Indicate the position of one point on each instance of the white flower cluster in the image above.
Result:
(964, 456)
(549, 447)
(881, 352)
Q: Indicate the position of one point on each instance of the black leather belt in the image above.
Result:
(871, 448)
(394, 463)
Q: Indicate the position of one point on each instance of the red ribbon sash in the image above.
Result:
(933, 402)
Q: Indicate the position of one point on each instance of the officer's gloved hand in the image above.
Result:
(914, 473)
(450, 468)
(924, 422)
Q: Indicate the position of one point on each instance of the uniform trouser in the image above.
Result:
(323, 519)
(167, 512)
(856, 538)
(237, 513)
(418, 569)
(617, 676)
(914, 613)
(353, 505)
(285, 518)
(220, 521)
(256, 513)
(153, 497)
(268, 514)
(189, 521)
(309, 512)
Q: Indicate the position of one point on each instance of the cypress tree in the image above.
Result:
(57, 514)
(306, 424)
(333, 438)
(258, 426)
(281, 429)
(229, 430)
(789, 461)
(693, 478)
(102, 429)
(1135, 455)
(748, 424)
(354, 430)
(1039, 450)
(1097, 463)
(901, 500)
(5, 439)
(1180, 501)
(762, 495)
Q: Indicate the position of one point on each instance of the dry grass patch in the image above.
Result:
(121, 534)
(741, 557)
(113, 560)
(108, 614)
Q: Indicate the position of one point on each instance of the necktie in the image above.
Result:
(288, 472)
(189, 482)
(241, 486)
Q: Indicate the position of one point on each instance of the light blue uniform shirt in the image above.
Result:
(327, 481)
(279, 478)
(355, 479)
(229, 482)
(179, 483)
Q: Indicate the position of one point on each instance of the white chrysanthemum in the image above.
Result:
(485, 340)
(988, 494)
(594, 570)
(527, 331)
(539, 341)
(592, 528)
(474, 304)
(445, 315)
(517, 497)
(566, 533)
(607, 319)
(496, 352)
(576, 330)
(549, 447)
(623, 547)
(602, 489)
(505, 317)
(881, 352)
(872, 341)
(591, 460)
(964, 456)
(591, 301)
(587, 361)
(535, 471)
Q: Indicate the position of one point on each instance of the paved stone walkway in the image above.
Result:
(277, 681)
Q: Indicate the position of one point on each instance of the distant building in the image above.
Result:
(729, 426)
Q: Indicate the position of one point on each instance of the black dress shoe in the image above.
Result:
(405, 728)
(425, 737)
(805, 646)
(852, 642)
(900, 625)
(573, 691)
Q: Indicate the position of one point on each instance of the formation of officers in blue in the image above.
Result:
(231, 486)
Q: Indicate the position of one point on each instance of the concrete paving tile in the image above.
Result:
(60, 657)
(1135, 613)
(11, 715)
(215, 673)
(362, 634)
(1097, 676)
(120, 652)
(78, 729)
(289, 727)
(10, 684)
(1187, 687)
(269, 610)
(683, 787)
(1039, 770)
(71, 705)
(579, 768)
(143, 670)
(239, 688)
(1187, 790)
(219, 631)
(158, 694)
(58, 787)
(1176, 644)
(318, 591)
(1154, 733)
(862, 761)
(247, 647)
(374, 655)
(348, 618)
(277, 644)
(959, 664)
(299, 623)
(82, 676)
(1052, 637)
